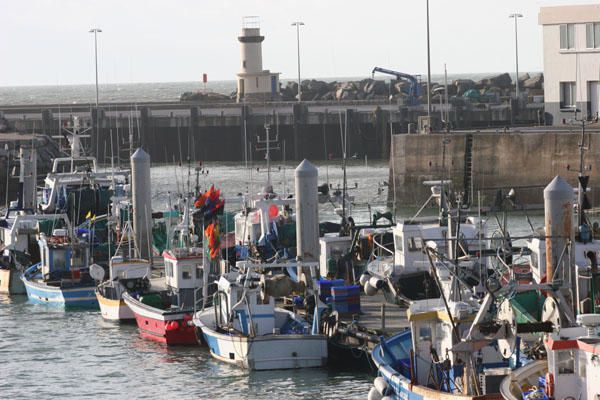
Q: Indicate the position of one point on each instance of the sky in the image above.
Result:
(46, 42)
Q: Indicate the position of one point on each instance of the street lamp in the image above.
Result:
(516, 16)
(297, 24)
(95, 31)
(428, 70)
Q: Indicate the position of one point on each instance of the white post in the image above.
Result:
(297, 24)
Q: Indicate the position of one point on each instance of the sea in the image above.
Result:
(133, 93)
(49, 353)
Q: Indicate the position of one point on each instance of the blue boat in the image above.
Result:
(62, 277)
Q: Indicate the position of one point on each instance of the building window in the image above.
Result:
(567, 36)
(244, 63)
(592, 35)
(257, 81)
(567, 94)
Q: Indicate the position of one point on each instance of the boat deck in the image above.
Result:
(371, 313)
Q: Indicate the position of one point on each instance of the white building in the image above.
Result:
(254, 83)
(571, 61)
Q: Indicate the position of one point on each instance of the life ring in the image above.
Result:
(549, 386)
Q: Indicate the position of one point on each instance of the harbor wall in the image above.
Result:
(221, 131)
(525, 161)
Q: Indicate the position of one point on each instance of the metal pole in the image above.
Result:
(297, 24)
(428, 69)
(516, 16)
(96, 59)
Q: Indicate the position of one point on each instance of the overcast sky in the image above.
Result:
(47, 42)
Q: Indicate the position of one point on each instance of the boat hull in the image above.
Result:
(268, 352)
(114, 310)
(162, 326)
(79, 297)
(10, 282)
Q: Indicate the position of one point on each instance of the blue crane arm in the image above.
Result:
(401, 75)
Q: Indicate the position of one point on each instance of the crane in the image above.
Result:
(413, 90)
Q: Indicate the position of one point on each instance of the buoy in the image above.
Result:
(381, 385)
(370, 290)
(364, 278)
(376, 282)
(373, 394)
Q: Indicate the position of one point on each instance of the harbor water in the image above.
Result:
(50, 353)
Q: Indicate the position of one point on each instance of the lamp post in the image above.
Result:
(297, 24)
(516, 16)
(95, 31)
(428, 69)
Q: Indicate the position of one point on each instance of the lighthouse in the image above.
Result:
(254, 83)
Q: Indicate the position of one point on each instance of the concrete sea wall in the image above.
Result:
(498, 161)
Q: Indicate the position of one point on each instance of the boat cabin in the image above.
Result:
(123, 268)
(62, 258)
(184, 272)
(244, 313)
(437, 356)
(261, 219)
(410, 239)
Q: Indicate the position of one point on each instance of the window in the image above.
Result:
(567, 36)
(186, 272)
(567, 94)
(244, 63)
(257, 81)
(566, 361)
(168, 269)
(398, 243)
(592, 35)
(199, 272)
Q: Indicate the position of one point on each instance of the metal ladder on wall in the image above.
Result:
(468, 171)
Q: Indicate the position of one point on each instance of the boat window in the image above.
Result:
(398, 243)
(78, 258)
(199, 272)
(565, 360)
(168, 269)
(415, 244)
(186, 272)
(58, 260)
(425, 333)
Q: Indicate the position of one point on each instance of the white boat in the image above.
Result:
(125, 274)
(19, 232)
(404, 273)
(244, 328)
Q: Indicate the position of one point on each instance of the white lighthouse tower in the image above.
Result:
(254, 83)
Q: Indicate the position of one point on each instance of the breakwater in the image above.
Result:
(485, 162)
(229, 131)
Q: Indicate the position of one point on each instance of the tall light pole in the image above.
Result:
(95, 31)
(516, 16)
(297, 24)
(428, 69)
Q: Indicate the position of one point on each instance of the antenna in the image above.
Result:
(266, 146)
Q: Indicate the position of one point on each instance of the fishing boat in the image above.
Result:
(19, 230)
(62, 276)
(125, 274)
(163, 311)
(75, 186)
(244, 328)
(403, 272)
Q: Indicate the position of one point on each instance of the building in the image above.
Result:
(571, 61)
(254, 83)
